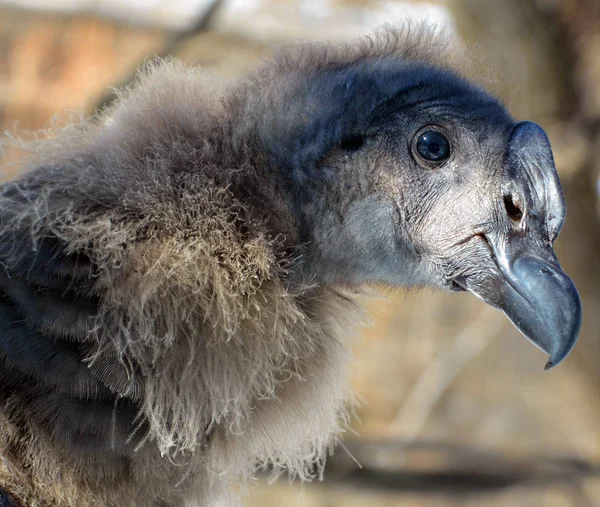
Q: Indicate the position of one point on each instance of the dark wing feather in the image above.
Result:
(47, 311)
(52, 362)
(110, 426)
(43, 262)
(63, 315)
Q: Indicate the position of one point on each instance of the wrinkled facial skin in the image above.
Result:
(444, 211)
(483, 220)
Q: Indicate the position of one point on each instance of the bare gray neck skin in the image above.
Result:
(361, 246)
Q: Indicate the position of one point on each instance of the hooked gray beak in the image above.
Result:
(529, 285)
(538, 298)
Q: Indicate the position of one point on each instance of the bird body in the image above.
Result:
(182, 274)
(138, 263)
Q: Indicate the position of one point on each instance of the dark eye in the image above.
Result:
(432, 148)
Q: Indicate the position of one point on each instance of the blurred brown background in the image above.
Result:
(457, 409)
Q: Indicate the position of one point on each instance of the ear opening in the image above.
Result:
(352, 143)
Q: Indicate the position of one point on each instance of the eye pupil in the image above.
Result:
(433, 146)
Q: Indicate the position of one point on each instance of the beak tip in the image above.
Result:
(543, 303)
(560, 355)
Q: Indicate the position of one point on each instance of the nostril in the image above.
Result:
(513, 209)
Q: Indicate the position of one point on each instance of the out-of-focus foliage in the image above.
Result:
(457, 409)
